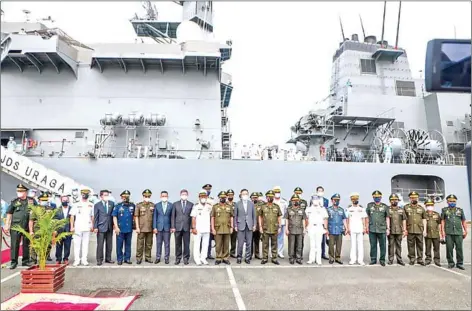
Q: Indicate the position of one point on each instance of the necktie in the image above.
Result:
(106, 206)
(183, 206)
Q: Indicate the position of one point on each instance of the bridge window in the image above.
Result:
(449, 123)
(405, 88)
(79, 134)
(368, 66)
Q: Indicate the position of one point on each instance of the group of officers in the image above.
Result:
(246, 222)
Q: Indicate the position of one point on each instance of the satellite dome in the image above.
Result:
(188, 31)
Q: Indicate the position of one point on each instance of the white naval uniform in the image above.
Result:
(202, 214)
(83, 213)
(316, 216)
(356, 216)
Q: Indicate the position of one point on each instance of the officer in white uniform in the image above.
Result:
(201, 223)
(317, 217)
(357, 226)
(81, 219)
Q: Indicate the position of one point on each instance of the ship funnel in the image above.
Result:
(355, 37)
(370, 39)
(383, 43)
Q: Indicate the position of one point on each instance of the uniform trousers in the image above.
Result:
(294, 246)
(431, 243)
(280, 241)
(200, 246)
(272, 239)
(256, 243)
(63, 249)
(222, 245)
(233, 240)
(415, 239)
(457, 242)
(375, 238)
(81, 242)
(144, 245)
(123, 240)
(335, 241)
(316, 237)
(357, 247)
(15, 239)
(210, 238)
(395, 247)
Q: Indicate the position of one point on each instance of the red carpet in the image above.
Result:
(39, 306)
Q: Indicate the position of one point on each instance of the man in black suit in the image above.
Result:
(103, 226)
(181, 222)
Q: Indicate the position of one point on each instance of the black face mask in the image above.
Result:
(222, 200)
(394, 203)
(126, 200)
(355, 202)
(65, 203)
(414, 202)
(335, 202)
(254, 201)
(270, 200)
(231, 199)
(85, 196)
(296, 203)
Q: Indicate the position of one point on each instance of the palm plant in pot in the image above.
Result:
(48, 229)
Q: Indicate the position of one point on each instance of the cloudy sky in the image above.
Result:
(282, 51)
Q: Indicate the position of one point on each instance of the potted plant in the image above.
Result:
(43, 278)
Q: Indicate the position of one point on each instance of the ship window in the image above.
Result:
(79, 134)
(405, 88)
(368, 66)
(398, 125)
(449, 123)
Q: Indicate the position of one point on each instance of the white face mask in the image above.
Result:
(277, 195)
(147, 199)
(430, 208)
(203, 200)
(19, 194)
(105, 198)
(245, 197)
(183, 197)
(320, 193)
(44, 203)
(164, 199)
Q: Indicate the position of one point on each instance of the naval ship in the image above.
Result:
(154, 115)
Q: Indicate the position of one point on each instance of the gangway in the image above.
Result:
(5, 44)
(36, 175)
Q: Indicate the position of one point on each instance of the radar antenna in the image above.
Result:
(151, 11)
(398, 24)
(362, 27)
(48, 19)
(383, 25)
(342, 29)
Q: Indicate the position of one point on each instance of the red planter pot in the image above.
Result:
(50, 280)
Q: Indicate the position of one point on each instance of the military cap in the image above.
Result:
(393, 196)
(207, 187)
(230, 191)
(429, 201)
(413, 194)
(254, 194)
(295, 197)
(125, 193)
(354, 195)
(376, 193)
(335, 196)
(222, 194)
(451, 197)
(202, 193)
(260, 194)
(146, 192)
(21, 188)
(277, 189)
(298, 189)
(270, 193)
(85, 191)
(43, 197)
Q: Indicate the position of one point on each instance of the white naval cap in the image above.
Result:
(354, 194)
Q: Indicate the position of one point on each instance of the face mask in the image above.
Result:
(230, 199)
(44, 203)
(355, 202)
(336, 202)
(244, 197)
(203, 200)
(451, 204)
(377, 200)
(222, 200)
(254, 201)
(296, 203)
(260, 199)
(320, 193)
(430, 208)
(164, 199)
(126, 200)
(19, 194)
(147, 199)
(270, 200)
(277, 195)
(65, 203)
(414, 202)
(183, 197)
(85, 196)
(105, 198)
(394, 203)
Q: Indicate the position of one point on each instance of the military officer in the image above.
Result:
(234, 235)
(44, 201)
(433, 229)
(454, 231)
(396, 217)
(143, 219)
(378, 227)
(337, 227)
(211, 201)
(256, 235)
(18, 214)
(295, 229)
(416, 228)
(123, 214)
(269, 223)
(222, 227)
(303, 205)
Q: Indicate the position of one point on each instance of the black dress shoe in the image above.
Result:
(372, 263)
(217, 262)
(263, 262)
(247, 261)
(148, 260)
(427, 263)
(13, 266)
(49, 258)
(324, 257)
(177, 262)
(421, 263)
(27, 264)
(257, 257)
(157, 261)
(109, 261)
(99, 263)
(166, 261)
(226, 261)
(275, 262)
(339, 262)
(390, 263)
(331, 262)
(291, 261)
(232, 256)
(412, 263)
(401, 263)
(128, 262)
(299, 261)
(460, 267)
(451, 265)
(185, 261)
(139, 261)
(120, 263)
(239, 260)
(210, 257)
(382, 263)
(437, 264)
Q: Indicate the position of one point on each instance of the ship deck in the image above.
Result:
(269, 287)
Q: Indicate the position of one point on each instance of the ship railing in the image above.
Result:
(437, 195)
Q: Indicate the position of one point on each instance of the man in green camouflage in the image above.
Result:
(454, 231)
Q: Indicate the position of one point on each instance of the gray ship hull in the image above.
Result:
(174, 175)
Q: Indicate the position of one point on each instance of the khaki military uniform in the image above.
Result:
(433, 222)
(143, 218)
(397, 216)
(256, 235)
(222, 213)
(270, 212)
(295, 218)
(414, 223)
(453, 218)
(20, 212)
(377, 230)
(234, 235)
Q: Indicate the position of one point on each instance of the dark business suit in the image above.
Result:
(162, 222)
(63, 246)
(181, 222)
(245, 221)
(103, 221)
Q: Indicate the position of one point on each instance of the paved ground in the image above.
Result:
(250, 287)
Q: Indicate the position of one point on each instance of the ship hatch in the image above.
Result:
(427, 186)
